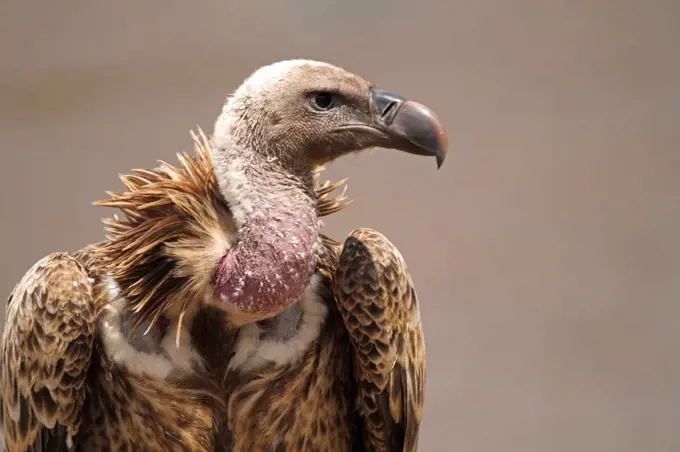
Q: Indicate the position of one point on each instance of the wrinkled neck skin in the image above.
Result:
(273, 257)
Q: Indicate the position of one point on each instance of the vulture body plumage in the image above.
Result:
(215, 315)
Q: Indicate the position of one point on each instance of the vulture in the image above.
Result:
(215, 315)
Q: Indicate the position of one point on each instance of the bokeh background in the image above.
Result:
(546, 252)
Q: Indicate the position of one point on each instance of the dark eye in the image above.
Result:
(323, 101)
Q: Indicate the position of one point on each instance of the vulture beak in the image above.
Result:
(409, 126)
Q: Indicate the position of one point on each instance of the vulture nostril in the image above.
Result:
(385, 105)
(389, 107)
(389, 112)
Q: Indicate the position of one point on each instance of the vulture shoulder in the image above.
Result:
(379, 306)
(45, 352)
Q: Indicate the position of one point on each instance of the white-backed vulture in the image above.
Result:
(215, 315)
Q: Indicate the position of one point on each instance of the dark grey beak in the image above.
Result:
(410, 126)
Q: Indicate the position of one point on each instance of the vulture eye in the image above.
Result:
(323, 101)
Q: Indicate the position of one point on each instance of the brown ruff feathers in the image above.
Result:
(175, 225)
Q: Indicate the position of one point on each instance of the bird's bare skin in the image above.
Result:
(216, 315)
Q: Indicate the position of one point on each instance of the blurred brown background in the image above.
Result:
(546, 251)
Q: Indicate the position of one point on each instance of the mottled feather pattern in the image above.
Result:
(46, 352)
(134, 412)
(304, 406)
(59, 390)
(378, 303)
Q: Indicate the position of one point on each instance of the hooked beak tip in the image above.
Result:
(414, 127)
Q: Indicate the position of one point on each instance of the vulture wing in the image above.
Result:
(45, 355)
(380, 310)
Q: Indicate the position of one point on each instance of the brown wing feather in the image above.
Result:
(46, 350)
(379, 306)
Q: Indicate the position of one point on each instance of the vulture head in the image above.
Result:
(242, 218)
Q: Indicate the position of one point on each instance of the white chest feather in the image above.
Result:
(157, 361)
(157, 356)
(254, 349)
